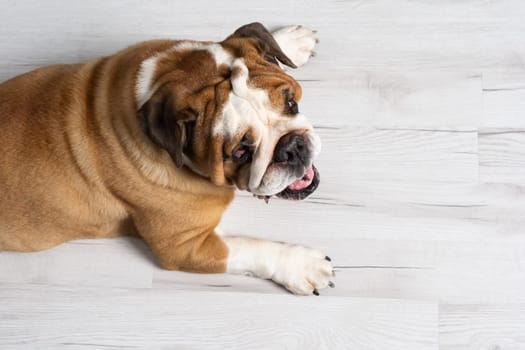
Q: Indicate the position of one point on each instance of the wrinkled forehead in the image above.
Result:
(262, 73)
(207, 64)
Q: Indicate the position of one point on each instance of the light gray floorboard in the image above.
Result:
(482, 326)
(421, 108)
(164, 319)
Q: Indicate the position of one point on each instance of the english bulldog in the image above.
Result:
(153, 141)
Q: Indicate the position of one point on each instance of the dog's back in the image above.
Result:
(44, 200)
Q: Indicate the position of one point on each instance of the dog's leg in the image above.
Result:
(186, 245)
(180, 243)
(297, 42)
(196, 252)
(299, 269)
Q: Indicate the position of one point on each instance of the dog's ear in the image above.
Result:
(166, 126)
(267, 45)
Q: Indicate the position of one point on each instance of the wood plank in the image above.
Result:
(383, 98)
(197, 320)
(503, 99)
(444, 285)
(502, 156)
(482, 326)
(420, 35)
(119, 262)
(385, 154)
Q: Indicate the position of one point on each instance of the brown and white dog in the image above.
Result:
(153, 141)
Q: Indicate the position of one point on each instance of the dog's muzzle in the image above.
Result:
(293, 153)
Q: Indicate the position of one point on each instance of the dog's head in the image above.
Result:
(230, 113)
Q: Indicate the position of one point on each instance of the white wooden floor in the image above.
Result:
(421, 107)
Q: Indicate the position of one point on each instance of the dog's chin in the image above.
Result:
(303, 187)
(300, 188)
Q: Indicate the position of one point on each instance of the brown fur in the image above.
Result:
(76, 162)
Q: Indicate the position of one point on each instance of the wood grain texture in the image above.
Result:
(394, 98)
(421, 109)
(502, 155)
(481, 326)
(104, 263)
(195, 320)
(504, 99)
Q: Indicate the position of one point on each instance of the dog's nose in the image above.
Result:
(291, 149)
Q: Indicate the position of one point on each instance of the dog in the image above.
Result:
(153, 142)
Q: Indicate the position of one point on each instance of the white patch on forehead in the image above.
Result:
(145, 87)
(244, 104)
(238, 114)
(220, 55)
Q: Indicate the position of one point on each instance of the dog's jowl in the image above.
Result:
(153, 141)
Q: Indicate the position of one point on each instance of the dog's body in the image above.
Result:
(153, 141)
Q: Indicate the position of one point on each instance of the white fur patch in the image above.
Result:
(220, 55)
(145, 87)
(144, 79)
(297, 42)
(298, 269)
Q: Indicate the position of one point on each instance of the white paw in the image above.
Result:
(297, 42)
(303, 270)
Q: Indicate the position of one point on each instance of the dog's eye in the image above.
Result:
(243, 153)
(292, 106)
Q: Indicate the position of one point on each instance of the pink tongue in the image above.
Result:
(304, 182)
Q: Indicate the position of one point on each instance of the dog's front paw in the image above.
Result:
(303, 270)
(297, 42)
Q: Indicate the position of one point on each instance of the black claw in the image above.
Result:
(331, 284)
(327, 258)
(316, 292)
